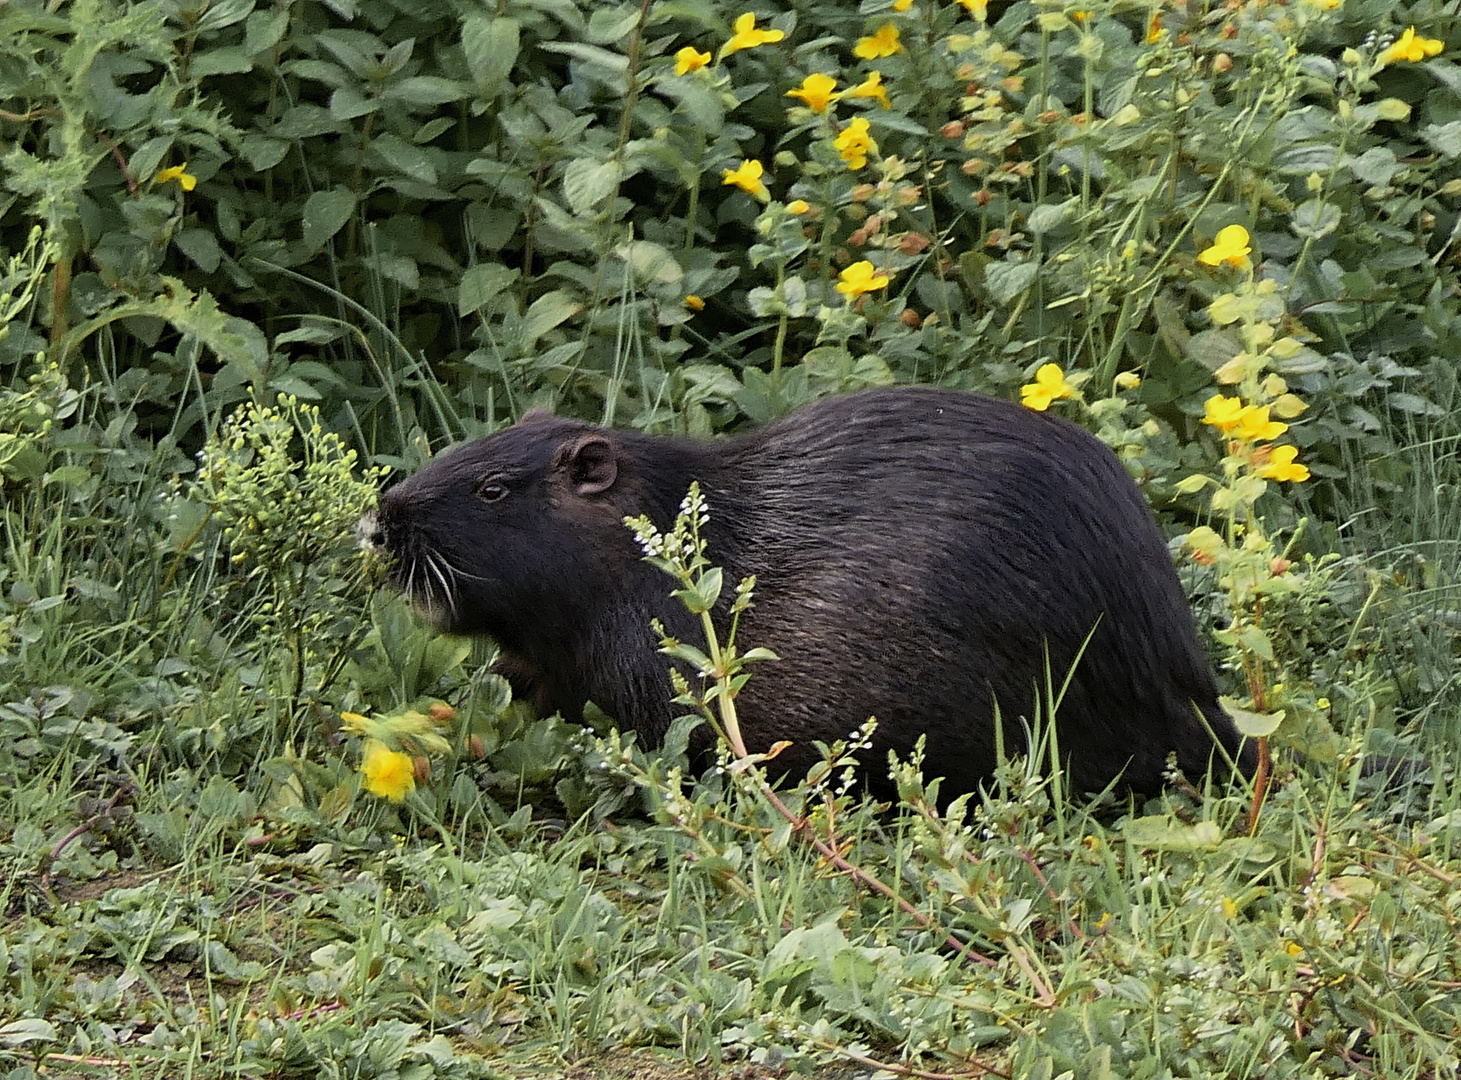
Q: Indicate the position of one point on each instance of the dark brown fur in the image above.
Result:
(919, 554)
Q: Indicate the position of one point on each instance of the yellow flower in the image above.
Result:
(694, 303)
(860, 278)
(748, 37)
(798, 207)
(1128, 380)
(855, 144)
(1231, 246)
(871, 87)
(1154, 30)
(1080, 16)
(1230, 909)
(817, 91)
(902, 5)
(1049, 384)
(747, 177)
(884, 42)
(1411, 47)
(1254, 426)
(186, 180)
(388, 773)
(978, 8)
(690, 59)
(1223, 413)
(1282, 466)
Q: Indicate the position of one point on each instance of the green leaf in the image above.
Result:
(708, 587)
(306, 121)
(347, 103)
(1376, 166)
(587, 182)
(1305, 159)
(404, 157)
(1315, 219)
(222, 61)
(1252, 724)
(1007, 280)
(325, 214)
(20, 1032)
(425, 91)
(148, 157)
(263, 153)
(1161, 833)
(1444, 138)
(481, 284)
(610, 26)
(201, 246)
(607, 66)
(547, 311)
(1048, 216)
(491, 45)
(223, 13)
(264, 30)
(651, 262)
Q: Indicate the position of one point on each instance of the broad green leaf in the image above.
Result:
(547, 311)
(587, 182)
(1315, 219)
(264, 29)
(222, 61)
(223, 13)
(201, 246)
(481, 284)
(606, 65)
(1252, 724)
(1161, 833)
(325, 214)
(611, 26)
(425, 91)
(1007, 280)
(347, 103)
(20, 1032)
(491, 44)
(651, 262)
(404, 157)
(263, 153)
(1376, 166)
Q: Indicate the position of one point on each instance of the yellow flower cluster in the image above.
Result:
(388, 773)
(747, 177)
(854, 143)
(1230, 246)
(185, 180)
(860, 278)
(746, 36)
(1250, 424)
(883, 42)
(1411, 47)
(1050, 385)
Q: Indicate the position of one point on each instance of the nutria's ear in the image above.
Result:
(590, 462)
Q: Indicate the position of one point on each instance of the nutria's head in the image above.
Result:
(518, 534)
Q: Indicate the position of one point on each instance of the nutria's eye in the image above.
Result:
(491, 489)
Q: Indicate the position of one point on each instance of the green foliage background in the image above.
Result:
(415, 221)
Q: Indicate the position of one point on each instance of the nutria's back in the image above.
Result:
(918, 554)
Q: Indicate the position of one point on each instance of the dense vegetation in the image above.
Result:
(256, 820)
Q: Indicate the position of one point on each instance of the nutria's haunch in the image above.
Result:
(919, 554)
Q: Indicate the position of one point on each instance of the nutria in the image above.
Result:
(918, 553)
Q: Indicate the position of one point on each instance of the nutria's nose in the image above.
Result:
(369, 534)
